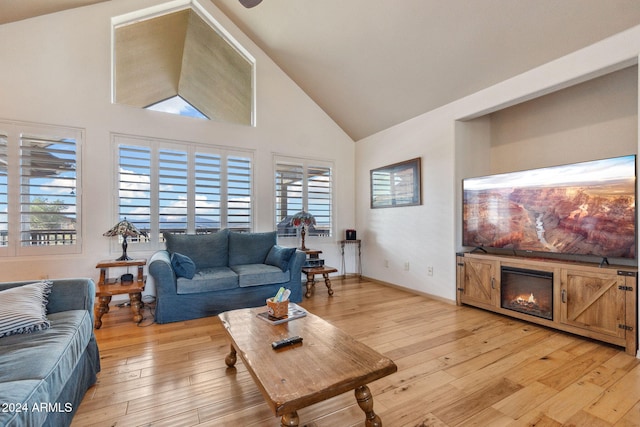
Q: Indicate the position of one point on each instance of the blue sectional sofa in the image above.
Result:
(45, 373)
(201, 275)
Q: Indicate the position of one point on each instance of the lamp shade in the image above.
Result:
(123, 228)
(302, 218)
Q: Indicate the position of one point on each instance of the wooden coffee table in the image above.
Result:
(327, 363)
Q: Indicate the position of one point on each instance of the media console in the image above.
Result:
(580, 298)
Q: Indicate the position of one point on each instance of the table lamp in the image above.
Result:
(125, 229)
(301, 220)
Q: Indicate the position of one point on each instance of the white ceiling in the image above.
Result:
(17, 10)
(371, 64)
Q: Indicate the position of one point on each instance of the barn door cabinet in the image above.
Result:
(591, 301)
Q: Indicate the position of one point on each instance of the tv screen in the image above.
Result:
(586, 208)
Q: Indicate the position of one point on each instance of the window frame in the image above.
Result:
(153, 12)
(306, 164)
(192, 149)
(15, 132)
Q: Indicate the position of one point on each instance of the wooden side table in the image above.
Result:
(312, 271)
(106, 288)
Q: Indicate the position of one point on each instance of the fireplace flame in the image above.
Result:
(523, 300)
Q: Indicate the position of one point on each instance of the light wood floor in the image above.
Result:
(457, 366)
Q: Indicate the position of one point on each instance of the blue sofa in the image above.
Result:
(45, 373)
(200, 275)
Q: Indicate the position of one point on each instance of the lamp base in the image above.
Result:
(124, 256)
(302, 234)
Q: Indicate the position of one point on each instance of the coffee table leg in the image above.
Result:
(103, 307)
(365, 401)
(231, 358)
(290, 420)
(310, 283)
(136, 305)
(327, 282)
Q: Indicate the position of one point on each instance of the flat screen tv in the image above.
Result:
(586, 208)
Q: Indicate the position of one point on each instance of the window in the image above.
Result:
(178, 59)
(303, 185)
(182, 187)
(39, 189)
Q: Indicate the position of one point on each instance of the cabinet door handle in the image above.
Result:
(564, 296)
(493, 283)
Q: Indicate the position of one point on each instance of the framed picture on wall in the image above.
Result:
(396, 185)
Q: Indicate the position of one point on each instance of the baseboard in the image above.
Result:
(412, 291)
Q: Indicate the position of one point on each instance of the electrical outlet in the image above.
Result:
(386, 263)
(430, 271)
(406, 266)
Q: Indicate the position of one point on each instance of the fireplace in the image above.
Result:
(527, 291)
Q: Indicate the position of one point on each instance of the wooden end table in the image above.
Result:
(311, 282)
(327, 363)
(106, 288)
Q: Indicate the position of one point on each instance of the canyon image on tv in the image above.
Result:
(586, 208)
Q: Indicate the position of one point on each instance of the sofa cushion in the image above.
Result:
(23, 309)
(205, 250)
(34, 368)
(279, 256)
(207, 280)
(250, 248)
(183, 265)
(259, 274)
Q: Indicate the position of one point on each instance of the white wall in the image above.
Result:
(56, 70)
(592, 120)
(429, 235)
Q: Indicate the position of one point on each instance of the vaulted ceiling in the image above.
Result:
(371, 64)
(17, 10)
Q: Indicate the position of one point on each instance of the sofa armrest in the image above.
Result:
(72, 294)
(66, 294)
(164, 278)
(296, 261)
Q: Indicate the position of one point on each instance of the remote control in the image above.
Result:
(286, 342)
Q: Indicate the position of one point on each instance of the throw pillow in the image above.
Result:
(24, 308)
(279, 256)
(182, 265)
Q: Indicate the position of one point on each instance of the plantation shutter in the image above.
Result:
(239, 193)
(289, 196)
(319, 199)
(48, 199)
(172, 191)
(135, 186)
(303, 185)
(207, 192)
(180, 187)
(4, 191)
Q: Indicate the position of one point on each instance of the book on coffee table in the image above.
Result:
(295, 312)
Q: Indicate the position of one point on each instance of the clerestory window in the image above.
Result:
(182, 62)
